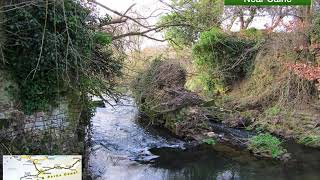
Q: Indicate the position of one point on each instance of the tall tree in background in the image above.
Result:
(197, 16)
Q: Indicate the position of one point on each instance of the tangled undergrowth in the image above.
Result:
(284, 101)
(270, 80)
(161, 89)
(161, 96)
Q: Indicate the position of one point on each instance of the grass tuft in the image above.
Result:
(266, 145)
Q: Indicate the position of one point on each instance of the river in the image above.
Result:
(124, 149)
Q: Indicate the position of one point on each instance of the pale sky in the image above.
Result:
(144, 7)
(122, 5)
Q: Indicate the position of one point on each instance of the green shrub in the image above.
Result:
(222, 59)
(266, 145)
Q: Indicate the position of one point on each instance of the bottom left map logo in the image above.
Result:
(39, 167)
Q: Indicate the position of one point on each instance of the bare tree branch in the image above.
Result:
(120, 14)
(141, 33)
(152, 38)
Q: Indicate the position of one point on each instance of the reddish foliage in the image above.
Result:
(305, 71)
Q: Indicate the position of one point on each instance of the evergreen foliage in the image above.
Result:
(222, 59)
(51, 53)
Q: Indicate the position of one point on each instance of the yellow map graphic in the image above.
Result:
(39, 167)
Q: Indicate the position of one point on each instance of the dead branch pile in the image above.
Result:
(161, 95)
(161, 88)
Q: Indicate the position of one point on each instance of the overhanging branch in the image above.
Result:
(120, 14)
(143, 33)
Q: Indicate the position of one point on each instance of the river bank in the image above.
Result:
(119, 141)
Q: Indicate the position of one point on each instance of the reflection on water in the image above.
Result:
(123, 150)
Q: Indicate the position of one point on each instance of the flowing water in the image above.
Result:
(123, 149)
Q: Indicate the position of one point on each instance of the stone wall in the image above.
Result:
(49, 132)
(14, 122)
(53, 132)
